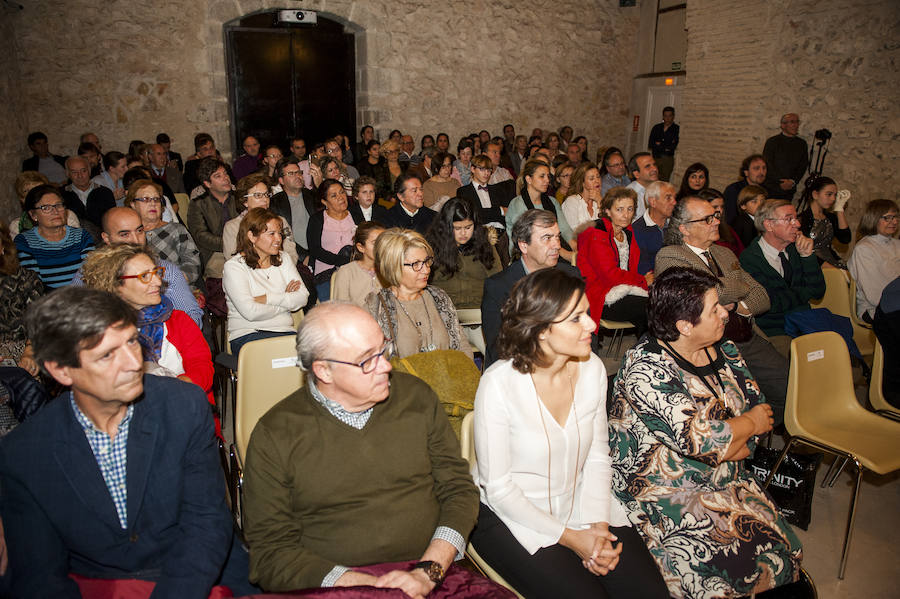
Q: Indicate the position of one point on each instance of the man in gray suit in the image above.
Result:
(689, 241)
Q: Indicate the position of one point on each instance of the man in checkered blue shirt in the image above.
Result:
(119, 477)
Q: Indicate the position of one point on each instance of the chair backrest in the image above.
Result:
(839, 301)
(876, 390)
(820, 383)
(267, 373)
(452, 375)
(468, 316)
(467, 438)
(184, 201)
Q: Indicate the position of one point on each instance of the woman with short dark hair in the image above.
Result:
(686, 412)
(548, 521)
(696, 178)
(52, 249)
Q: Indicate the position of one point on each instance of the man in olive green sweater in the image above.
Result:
(358, 467)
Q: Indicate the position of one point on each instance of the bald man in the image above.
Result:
(123, 225)
(309, 496)
(787, 157)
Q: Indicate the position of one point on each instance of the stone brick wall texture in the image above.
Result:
(128, 70)
(836, 63)
(12, 125)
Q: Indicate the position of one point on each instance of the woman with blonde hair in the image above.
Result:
(391, 152)
(172, 344)
(418, 317)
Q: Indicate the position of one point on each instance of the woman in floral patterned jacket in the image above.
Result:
(686, 412)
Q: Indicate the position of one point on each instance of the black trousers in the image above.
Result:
(556, 571)
(631, 308)
(770, 369)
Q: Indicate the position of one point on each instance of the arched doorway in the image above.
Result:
(286, 81)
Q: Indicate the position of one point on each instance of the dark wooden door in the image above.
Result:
(290, 81)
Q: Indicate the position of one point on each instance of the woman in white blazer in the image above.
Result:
(548, 521)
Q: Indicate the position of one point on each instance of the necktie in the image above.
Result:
(786, 267)
(482, 188)
(713, 265)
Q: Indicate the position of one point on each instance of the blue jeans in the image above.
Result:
(237, 344)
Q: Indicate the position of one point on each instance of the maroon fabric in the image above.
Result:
(460, 583)
(128, 588)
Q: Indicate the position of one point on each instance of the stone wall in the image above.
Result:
(836, 63)
(127, 72)
(12, 125)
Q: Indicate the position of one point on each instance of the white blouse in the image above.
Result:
(511, 448)
(242, 284)
(576, 212)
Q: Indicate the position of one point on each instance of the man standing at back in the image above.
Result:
(118, 478)
(787, 158)
(663, 141)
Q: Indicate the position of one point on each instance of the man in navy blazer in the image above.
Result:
(536, 241)
(118, 478)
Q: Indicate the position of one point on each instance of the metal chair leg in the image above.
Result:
(784, 452)
(838, 473)
(830, 471)
(851, 518)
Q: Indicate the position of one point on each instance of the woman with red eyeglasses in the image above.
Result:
(171, 343)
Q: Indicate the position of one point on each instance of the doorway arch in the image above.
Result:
(289, 81)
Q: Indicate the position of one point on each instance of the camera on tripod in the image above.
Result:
(822, 135)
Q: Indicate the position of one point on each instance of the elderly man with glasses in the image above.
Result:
(374, 492)
(782, 260)
(690, 241)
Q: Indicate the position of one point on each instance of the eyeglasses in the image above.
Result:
(276, 156)
(332, 150)
(295, 173)
(48, 208)
(709, 219)
(418, 264)
(369, 364)
(889, 218)
(147, 275)
(259, 195)
(786, 219)
(149, 200)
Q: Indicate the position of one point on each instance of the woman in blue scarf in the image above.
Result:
(171, 342)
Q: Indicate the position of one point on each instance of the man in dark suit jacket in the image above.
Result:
(409, 211)
(37, 143)
(497, 196)
(174, 158)
(536, 241)
(162, 172)
(294, 194)
(152, 505)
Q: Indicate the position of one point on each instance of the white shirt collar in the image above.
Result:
(411, 214)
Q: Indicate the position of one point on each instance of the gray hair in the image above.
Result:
(767, 212)
(314, 335)
(655, 189)
(680, 216)
(524, 227)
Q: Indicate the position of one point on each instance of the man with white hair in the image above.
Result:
(377, 456)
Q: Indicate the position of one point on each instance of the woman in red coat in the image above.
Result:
(171, 343)
(608, 261)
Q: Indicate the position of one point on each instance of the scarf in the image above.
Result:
(151, 331)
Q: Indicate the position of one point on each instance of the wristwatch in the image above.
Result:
(433, 570)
